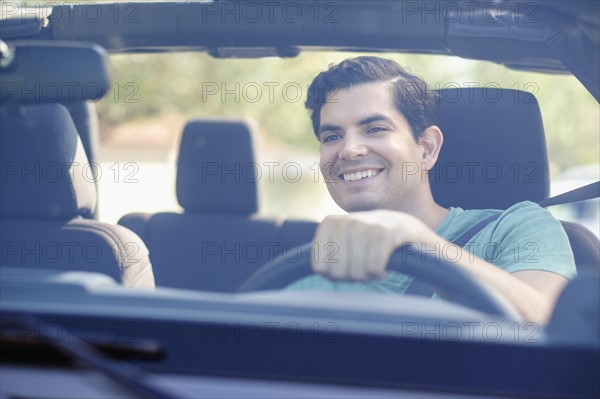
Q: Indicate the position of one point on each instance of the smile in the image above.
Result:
(364, 174)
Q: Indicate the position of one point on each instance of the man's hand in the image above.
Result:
(364, 242)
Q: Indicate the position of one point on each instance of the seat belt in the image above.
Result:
(590, 191)
(420, 287)
(579, 194)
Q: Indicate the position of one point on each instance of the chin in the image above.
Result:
(359, 206)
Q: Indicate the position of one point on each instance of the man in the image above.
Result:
(373, 119)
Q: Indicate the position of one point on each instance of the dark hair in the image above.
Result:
(412, 98)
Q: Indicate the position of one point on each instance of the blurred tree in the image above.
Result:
(272, 92)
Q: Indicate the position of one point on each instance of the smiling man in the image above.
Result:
(377, 126)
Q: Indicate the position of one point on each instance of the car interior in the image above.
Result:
(220, 214)
(476, 170)
(48, 221)
(49, 225)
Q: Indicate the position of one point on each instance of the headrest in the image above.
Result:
(37, 72)
(44, 170)
(85, 118)
(216, 172)
(494, 151)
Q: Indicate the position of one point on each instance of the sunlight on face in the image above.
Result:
(368, 152)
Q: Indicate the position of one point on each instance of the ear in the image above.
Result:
(431, 141)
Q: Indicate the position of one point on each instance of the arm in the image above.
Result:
(367, 239)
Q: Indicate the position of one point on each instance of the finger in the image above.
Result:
(359, 245)
(321, 236)
(340, 242)
(329, 256)
(379, 255)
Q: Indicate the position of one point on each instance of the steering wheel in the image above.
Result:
(450, 282)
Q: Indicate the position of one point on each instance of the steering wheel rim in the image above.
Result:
(451, 282)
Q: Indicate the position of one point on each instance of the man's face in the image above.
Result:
(369, 157)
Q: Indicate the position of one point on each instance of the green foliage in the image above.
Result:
(272, 91)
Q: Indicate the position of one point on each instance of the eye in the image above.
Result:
(330, 137)
(376, 129)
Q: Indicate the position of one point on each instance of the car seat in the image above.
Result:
(45, 193)
(85, 117)
(494, 155)
(218, 240)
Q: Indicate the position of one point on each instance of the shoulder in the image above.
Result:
(526, 219)
(526, 207)
(528, 213)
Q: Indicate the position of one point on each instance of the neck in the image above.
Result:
(426, 209)
(434, 216)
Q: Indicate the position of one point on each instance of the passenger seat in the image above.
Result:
(85, 118)
(45, 199)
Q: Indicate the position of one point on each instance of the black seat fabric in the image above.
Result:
(46, 196)
(216, 172)
(85, 118)
(494, 151)
(203, 251)
(218, 241)
(494, 155)
(585, 245)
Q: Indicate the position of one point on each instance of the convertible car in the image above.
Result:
(192, 302)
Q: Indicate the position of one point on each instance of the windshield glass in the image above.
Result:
(142, 118)
(225, 212)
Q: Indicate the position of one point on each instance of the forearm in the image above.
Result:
(528, 301)
(532, 304)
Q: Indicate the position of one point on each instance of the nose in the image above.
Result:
(353, 147)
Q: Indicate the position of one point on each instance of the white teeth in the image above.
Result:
(360, 175)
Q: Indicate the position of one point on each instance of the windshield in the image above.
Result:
(143, 118)
(210, 180)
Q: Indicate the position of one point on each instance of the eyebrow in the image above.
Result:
(376, 118)
(328, 127)
(365, 121)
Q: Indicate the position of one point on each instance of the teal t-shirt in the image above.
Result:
(524, 237)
